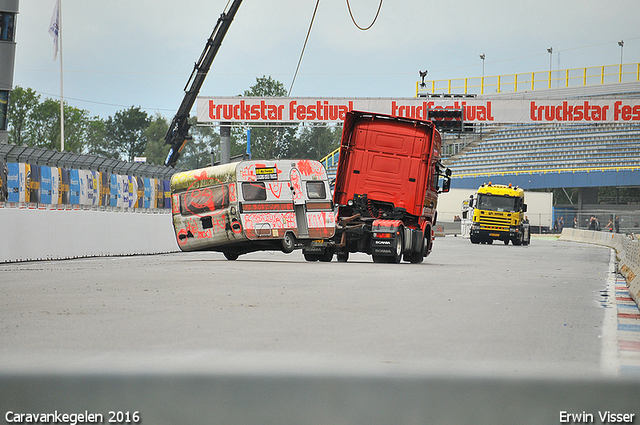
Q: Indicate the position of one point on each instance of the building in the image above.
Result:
(8, 13)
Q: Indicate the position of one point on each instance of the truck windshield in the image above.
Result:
(496, 203)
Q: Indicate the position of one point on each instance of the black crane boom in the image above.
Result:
(178, 133)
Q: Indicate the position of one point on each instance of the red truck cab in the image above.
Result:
(386, 188)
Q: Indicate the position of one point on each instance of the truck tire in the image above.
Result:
(397, 255)
(311, 256)
(342, 256)
(231, 256)
(327, 255)
(417, 257)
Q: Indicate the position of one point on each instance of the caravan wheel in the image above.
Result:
(288, 243)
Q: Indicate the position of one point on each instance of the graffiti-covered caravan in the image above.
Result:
(251, 206)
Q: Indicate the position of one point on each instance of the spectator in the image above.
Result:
(610, 226)
(560, 224)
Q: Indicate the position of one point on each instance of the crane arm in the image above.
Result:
(178, 133)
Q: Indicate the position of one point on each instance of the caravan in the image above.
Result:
(252, 206)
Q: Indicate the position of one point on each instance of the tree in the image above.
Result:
(126, 132)
(36, 123)
(156, 151)
(198, 152)
(44, 125)
(21, 105)
(97, 142)
(316, 141)
(273, 140)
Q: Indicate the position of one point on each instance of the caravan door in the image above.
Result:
(295, 180)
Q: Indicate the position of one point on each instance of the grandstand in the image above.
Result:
(566, 149)
(531, 147)
(570, 157)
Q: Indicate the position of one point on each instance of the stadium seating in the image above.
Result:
(548, 147)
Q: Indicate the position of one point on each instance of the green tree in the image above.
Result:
(21, 105)
(36, 123)
(316, 141)
(156, 151)
(272, 140)
(44, 125)
(97, 142)
(126, 132)
(198, 151)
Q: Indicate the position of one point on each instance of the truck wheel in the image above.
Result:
(397, 255)
(288, 243)
(311, 256)
(326, 256)
(231, 255)
(418, 257)
(342, 256)
(506, 242)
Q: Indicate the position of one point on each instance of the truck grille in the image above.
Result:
(498, 222)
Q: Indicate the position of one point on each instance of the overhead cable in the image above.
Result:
(374, 19)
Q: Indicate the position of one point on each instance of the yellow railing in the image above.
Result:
(330, 160)
(528, 81)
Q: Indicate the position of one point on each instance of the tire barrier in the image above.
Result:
(627, 249)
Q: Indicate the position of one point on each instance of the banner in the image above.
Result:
(294, 110)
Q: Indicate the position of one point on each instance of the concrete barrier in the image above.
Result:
(33, 234)
(627, 253)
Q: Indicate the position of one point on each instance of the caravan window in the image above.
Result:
(206, 199)
(316, 190)
(254, 191)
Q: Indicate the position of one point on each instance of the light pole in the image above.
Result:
(550, 50)
(482, 56)
(621, 44)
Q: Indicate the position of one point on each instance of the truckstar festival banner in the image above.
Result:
(291, 109)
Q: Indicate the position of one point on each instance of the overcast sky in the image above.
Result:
(123, 53)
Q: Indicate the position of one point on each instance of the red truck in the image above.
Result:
(386, 190)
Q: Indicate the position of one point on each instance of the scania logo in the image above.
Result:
(383, 242)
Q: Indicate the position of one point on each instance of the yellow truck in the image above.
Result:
(498, 214)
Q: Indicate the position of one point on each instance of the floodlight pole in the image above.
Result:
(61, 77)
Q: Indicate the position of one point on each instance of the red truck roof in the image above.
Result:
(387, 159)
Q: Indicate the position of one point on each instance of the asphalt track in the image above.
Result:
(468, 309)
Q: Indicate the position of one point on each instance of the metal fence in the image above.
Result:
(51, 158)
(46, 179)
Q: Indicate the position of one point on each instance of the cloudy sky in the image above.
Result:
(123, 53)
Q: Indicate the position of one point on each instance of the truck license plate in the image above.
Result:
(496, 235)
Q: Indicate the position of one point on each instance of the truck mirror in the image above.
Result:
(446, 184)
(524, 207)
